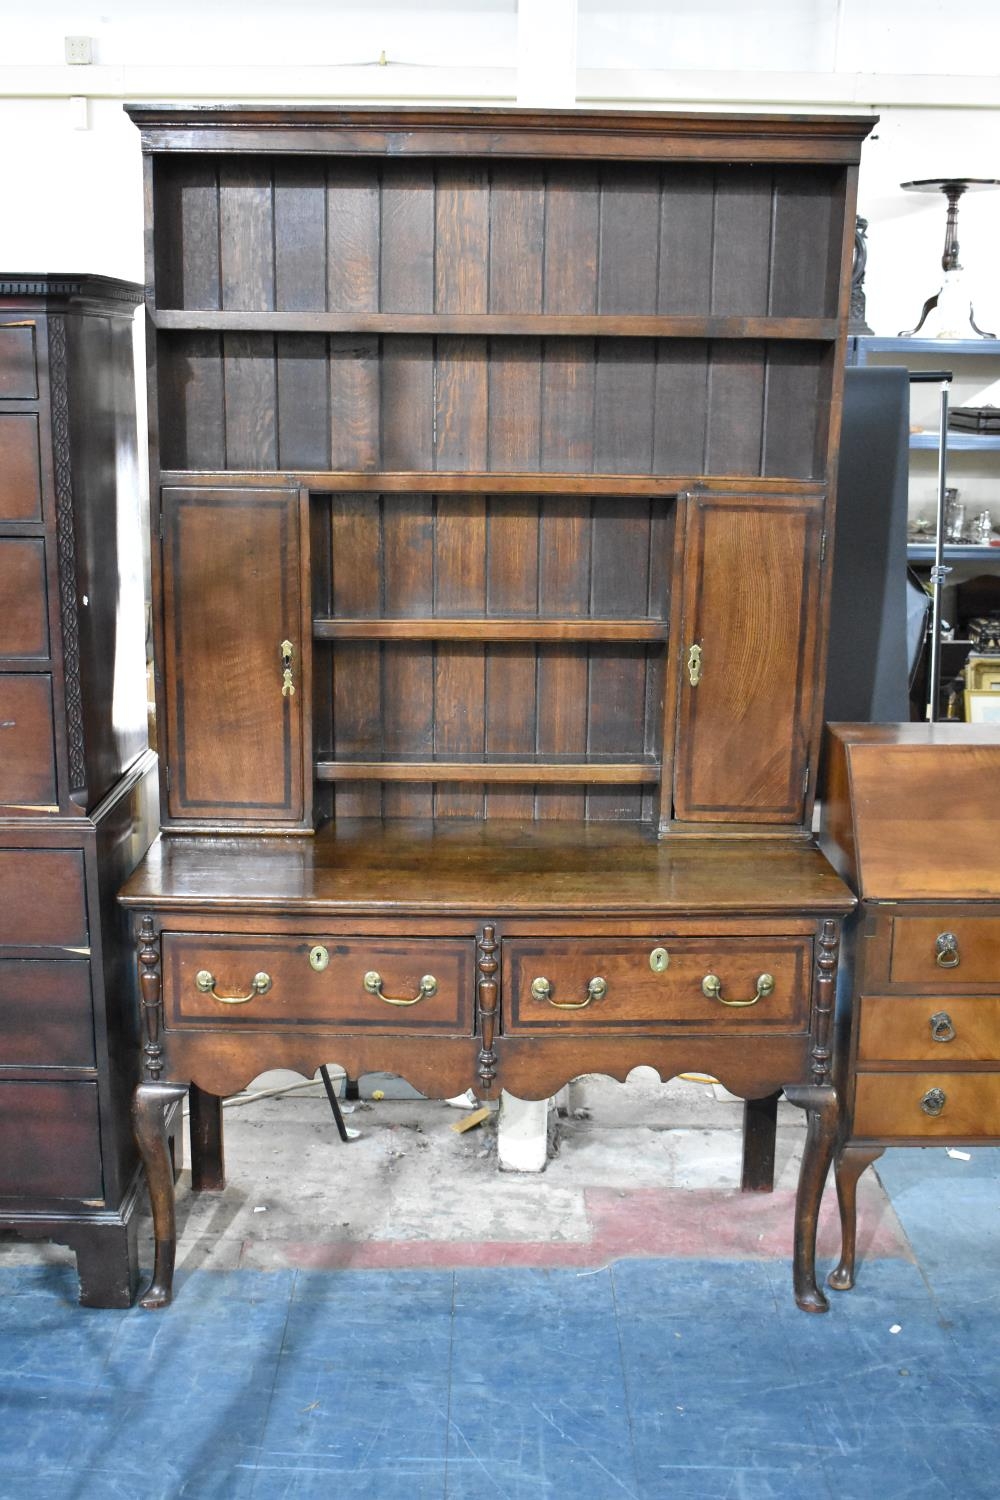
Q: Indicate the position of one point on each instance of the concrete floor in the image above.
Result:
(394, 1319)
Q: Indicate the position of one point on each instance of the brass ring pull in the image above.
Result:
(541, 989)
(711, 988)
(933, 1101)
(373, 984)
(946, 954)
(942, 1027)
(259, 985)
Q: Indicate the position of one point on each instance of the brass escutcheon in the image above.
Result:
(319, 957)
(659, 960)
(694, 664)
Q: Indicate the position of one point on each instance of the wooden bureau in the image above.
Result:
(77, 783)
(493, 460)
(911, 819)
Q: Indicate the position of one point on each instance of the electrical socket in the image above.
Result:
(79, 50)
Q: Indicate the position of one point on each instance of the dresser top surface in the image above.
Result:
(488, 868)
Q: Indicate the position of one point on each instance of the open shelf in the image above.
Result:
(528, 629)
(520, 769)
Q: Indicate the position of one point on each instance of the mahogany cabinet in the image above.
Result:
(77, 783)
(910, 817)
(493, 459)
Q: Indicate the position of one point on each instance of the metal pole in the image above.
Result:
(938, 572)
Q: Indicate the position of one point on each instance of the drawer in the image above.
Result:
(27, 743)
(634, 996)
(936, 1029)
(56, 1128)
(45, 1013)
(24, 626)
(889, 1104)
(20, 471)
(43, 898)
(320, 981)
(922, 951)
(18, 366)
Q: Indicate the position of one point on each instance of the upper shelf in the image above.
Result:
(525, 325)
(958, 442)
(903, 347)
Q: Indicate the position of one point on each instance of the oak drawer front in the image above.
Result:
(20, 467)
(27, 742)
(965, 1106)
(45, 1013)
(58, 1143)
(24, 626)
(925, 1028)
(425, 984)
(953, 951)
(18, 364)
(542, 974)
(43, 898)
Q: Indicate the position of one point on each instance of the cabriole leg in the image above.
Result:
(820, 1104)
(851, 1162)
(149, 1106)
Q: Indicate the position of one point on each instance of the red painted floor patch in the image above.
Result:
(642, 1222)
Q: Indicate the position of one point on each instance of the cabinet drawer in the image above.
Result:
(300, 994)
(889, 1104)
(24, 627)
(918, 943)
(55, 1126)
(20, 469)
(27, 744)
(18, 366)
(45, 1013)
(637, 997)
(929, 1028)
(42, 898)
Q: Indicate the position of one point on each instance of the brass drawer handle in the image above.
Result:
(541, 989)
(711, 988)
(933, 1101)
(942, 1027)
(259, 985)
(373, 984)
(946, 954)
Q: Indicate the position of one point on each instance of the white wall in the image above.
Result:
(71, 195)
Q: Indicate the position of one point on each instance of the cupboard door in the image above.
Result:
(750, 639)
(232, 596)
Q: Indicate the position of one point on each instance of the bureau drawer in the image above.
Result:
(45, 1013)
(949, 1029)
(20, 467)
(24, 626)
(42, 898)
(18, 366)
(953, 951)
(413, 984)
(58, 1143)
(896, 1105)
(27, 743)
(540, 975)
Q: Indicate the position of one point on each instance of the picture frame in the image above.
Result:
(982, 674)
(982, 706)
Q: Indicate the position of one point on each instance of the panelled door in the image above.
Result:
(749, 645)
(235, 655)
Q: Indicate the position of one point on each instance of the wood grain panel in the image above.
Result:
(408, 671)
(741, 241)
(687, 208)
(231, 574)
(246, 235)
(736, 409)
(750, 590)
(680, 407)
(517, 238)
(355, 402)
(512, 589)
(20, 473)
(564, 548)
(46, 1018)
(300, 230)
(356, 668)
(408, 244)
(629, 231)
(191, 401)
(805, 266)
(797, 411)
(43, 899)
(354, 224)
(460, 669)
(251, 398)
(27, 741)
(24, 626)
(58, 1141)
